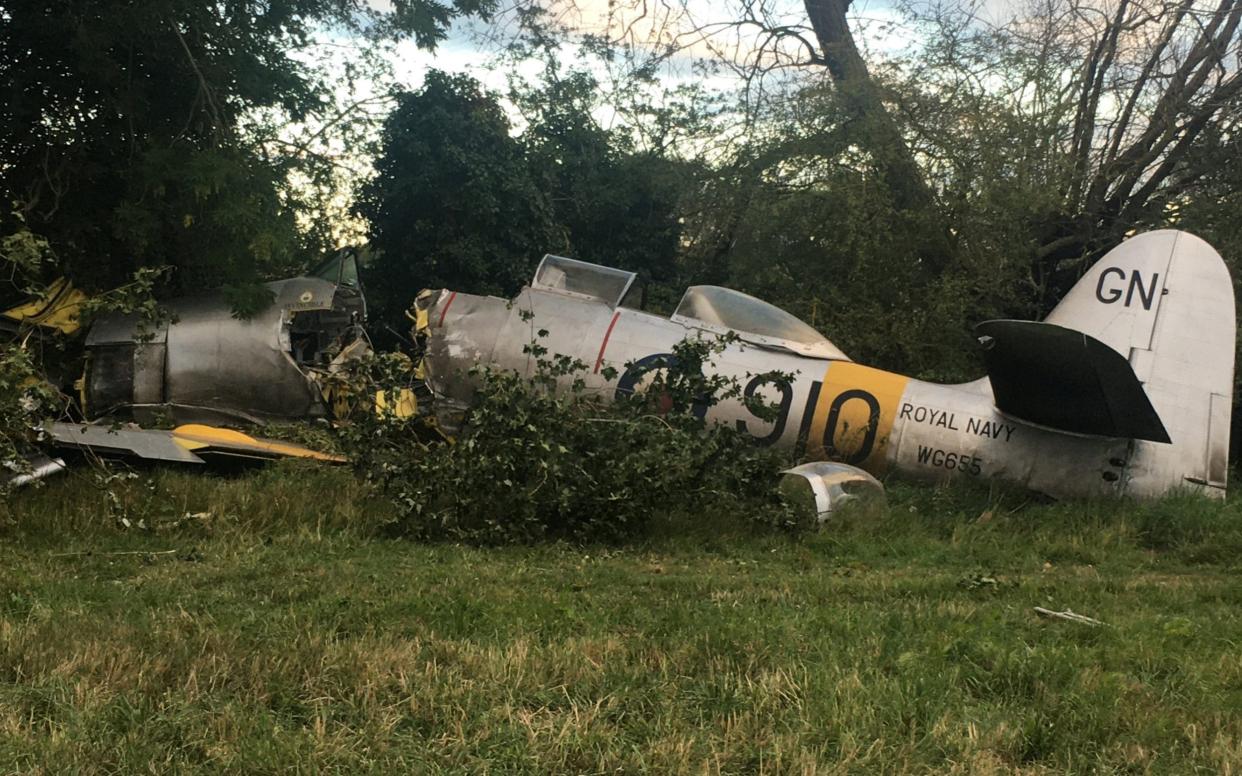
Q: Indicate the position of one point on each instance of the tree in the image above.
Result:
(460, 202)
(149, 131)
(798, 217)
(613, 205)
(1103, 114)
(1138, 85)
(453, 203)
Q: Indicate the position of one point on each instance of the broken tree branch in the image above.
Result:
(1068, 616)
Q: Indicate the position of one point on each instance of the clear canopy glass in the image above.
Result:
(340, 269)
(557, 273)
(754, 320)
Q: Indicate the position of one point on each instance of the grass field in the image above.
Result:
(259, 623)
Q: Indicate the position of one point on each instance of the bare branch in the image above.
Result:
(1094, 71)
(205, 90)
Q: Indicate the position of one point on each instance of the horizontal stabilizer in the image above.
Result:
(1067, 380)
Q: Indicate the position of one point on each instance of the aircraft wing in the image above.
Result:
(184, 444)
(1067, 380)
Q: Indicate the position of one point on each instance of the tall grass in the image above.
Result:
(294, 497)
(284, 633)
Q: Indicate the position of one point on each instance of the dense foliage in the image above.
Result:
(534, 463)
(453, 203)
(613, 203)
(160, 131)
(461, 201)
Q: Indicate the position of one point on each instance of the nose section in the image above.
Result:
(460, 332)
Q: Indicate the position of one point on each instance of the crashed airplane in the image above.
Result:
(208, 366)
(1126, 388)
(204, 365)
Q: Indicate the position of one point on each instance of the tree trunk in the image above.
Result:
(861, 97)
(872, 124)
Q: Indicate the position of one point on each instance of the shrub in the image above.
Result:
(28, 353)
(535, 464)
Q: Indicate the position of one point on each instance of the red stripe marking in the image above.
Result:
(604, 345)
(444, 312)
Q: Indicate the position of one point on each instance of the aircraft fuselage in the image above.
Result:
(826, 408)
(1126, 387)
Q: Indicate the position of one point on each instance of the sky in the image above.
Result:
(876, 25)
(471, 46)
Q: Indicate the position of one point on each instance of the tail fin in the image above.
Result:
(1164, 301)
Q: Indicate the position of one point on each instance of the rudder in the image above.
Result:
(1164, 301)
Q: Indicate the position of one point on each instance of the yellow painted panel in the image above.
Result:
(196, 437)
(860, 403)
(57, 308)
(404, 405)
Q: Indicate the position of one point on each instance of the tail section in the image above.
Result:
(1164, 301)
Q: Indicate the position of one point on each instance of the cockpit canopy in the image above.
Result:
(608, 285)
(753, 320)
(710, 308)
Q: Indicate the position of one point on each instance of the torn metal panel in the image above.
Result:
(823, 489)
(341, 270)
(242, 367)
(1069, 616)
(208, 365)
(36, 468)
(57, 308)
(464, 330)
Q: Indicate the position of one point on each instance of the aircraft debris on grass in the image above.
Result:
(203, 365)
(1125, 389)
(207, 365)
(189, 443)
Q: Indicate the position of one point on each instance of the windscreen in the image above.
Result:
(341, 269)
(753, 320)
(557, 273)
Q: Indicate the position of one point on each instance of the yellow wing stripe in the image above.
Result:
(197, 437)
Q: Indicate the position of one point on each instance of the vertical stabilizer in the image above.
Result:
(1164, 301)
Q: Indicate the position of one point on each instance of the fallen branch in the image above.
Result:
(119, 552)
(1069, 616)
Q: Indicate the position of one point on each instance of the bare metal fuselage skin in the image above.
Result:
(209, 365)
(835, 409)
(928, 430)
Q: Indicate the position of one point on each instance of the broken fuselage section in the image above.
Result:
(1115, 393)
(207, 365)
